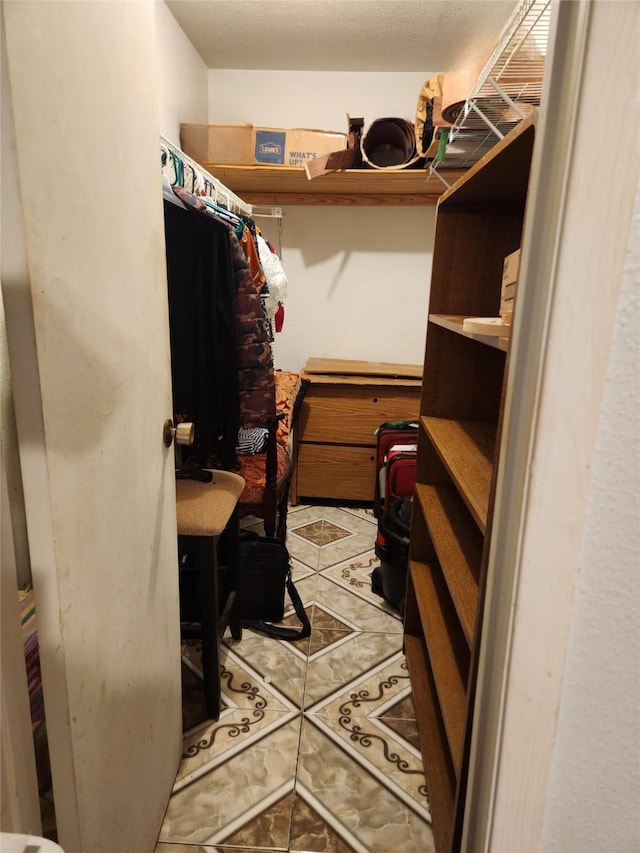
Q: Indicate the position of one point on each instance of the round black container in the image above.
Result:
(392, 549)
(389, 143)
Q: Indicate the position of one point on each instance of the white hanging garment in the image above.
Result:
(277, 281)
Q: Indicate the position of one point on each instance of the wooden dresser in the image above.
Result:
(335, 442)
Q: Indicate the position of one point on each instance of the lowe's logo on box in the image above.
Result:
(270, 146)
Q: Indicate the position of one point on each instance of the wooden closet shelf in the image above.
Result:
(437, 761)
(454, 322)
(447, 652)
(283, 185)
(361, 381)
(458, 544)
(466, 449)
(499, 181)
(376, 370)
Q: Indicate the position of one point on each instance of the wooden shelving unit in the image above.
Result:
(479, 222)
(282, 185)
(458, 546)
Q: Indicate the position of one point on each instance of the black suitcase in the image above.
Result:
(392, 549)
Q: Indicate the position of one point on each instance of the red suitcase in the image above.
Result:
(388, 435)
(400, 474)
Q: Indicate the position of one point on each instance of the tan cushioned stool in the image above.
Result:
(207, 515)
(203, 509)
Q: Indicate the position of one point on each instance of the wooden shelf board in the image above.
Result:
(349, 367)
(458, 544)
(373, 381)
(440, 627)
(282, 185)
(466, 449)
(435, 757)
(454, 322)
(485, 181)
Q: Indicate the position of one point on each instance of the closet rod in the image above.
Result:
(267, 212)
(233, 202)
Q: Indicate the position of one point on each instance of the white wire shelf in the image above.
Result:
(508, 88)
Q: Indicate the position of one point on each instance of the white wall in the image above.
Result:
(182, 77)
(559, 672)
(358, 276)
(316, 99)
(597, 750)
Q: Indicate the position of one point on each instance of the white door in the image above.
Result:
(85, 297)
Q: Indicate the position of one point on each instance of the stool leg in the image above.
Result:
(233, 562)
(229, 557)
(209, 624)
(204, 552)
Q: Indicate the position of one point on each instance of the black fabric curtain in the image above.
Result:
(204, 367)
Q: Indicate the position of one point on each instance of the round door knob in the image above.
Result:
(183, 433)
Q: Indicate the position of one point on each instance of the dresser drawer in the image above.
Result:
(350, 415)
(336, 472)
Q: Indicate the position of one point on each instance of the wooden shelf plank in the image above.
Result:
(373, 381)
(282, 185)
(435, 757)
(458, 544)
(486, 182)
(454, 322)
(448, 654)
(466, 449)
(351, 367)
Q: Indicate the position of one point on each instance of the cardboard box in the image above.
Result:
(511, 268)
(217, 143)
(245, 145)
(510, 272)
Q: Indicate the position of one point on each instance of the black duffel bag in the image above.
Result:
(264, 574)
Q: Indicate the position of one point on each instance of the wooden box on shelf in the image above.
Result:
(479, 222)
(335, 442)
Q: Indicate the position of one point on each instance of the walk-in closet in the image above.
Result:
(201, 348)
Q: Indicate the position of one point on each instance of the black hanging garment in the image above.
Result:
(202, 327)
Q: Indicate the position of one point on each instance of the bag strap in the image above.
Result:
(280, 632)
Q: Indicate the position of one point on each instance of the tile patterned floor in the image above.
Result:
(316, 748)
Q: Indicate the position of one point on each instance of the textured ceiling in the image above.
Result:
(341, 35)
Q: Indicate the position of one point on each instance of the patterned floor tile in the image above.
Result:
(384, 691)
(362, 612)
(361, 512)
(273, 667)
(369, 809)
(362, 535)
(171, 847)
(216, 799)
(316, 748)
(354, 575)
(322, 532)
(330, 669)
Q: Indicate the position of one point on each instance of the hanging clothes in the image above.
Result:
(255, 359)
(277, 281)
(202, 324)
(222, 362)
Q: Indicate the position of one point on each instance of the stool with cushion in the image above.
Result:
(208, 535)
